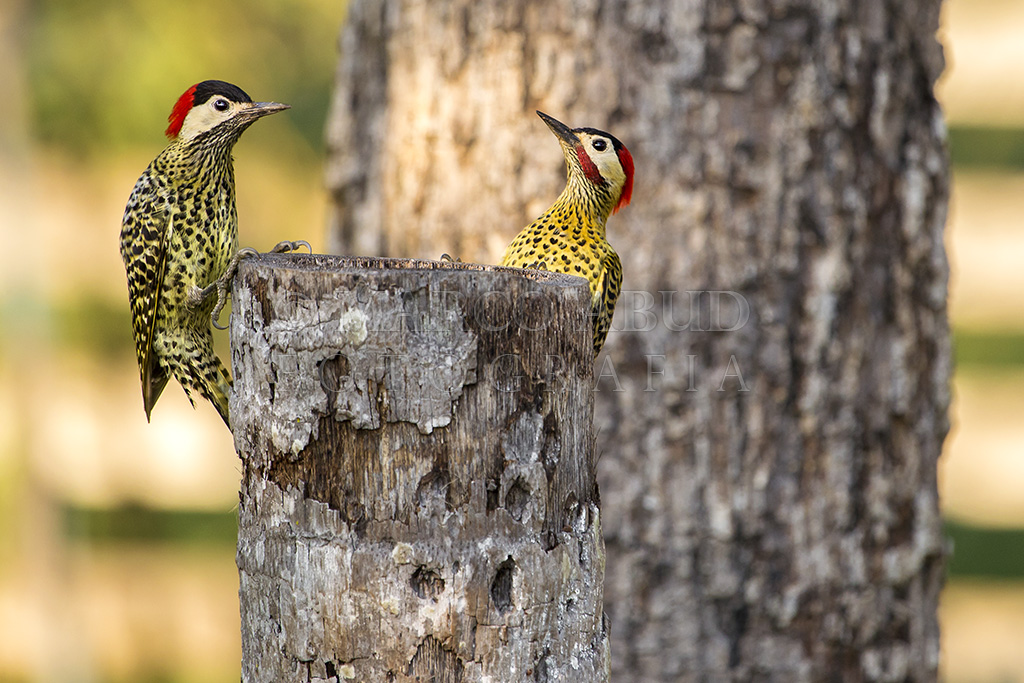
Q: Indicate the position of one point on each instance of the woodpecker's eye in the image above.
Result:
(599, 144)
(220, 104)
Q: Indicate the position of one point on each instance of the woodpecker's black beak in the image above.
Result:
(561, 130)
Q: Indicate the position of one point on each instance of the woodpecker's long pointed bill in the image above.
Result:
(561, 130)
(258, 109)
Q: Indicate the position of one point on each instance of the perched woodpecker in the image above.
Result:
(570, 236)
(179, 236)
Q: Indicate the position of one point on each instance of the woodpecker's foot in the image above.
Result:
(286, 246)
(449, 259)
(223, 284)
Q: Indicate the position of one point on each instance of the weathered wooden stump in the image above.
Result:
(418, 494)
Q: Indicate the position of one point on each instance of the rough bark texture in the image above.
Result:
(419, 497)
(768, 462)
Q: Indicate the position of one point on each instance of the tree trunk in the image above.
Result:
(419, 496)
(769, 457)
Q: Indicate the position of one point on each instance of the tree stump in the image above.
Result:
(418, 495)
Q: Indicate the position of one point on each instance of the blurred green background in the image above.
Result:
(117, 537)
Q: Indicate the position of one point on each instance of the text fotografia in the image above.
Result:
(429, 343)
(506, 374)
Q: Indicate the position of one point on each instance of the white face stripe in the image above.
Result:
(206, 116)
(606, 160)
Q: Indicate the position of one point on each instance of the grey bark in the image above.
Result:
(419, 497)
(770, 498)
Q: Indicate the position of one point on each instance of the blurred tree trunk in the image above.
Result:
(772, 407)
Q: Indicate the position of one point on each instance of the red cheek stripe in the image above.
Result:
(589, 167)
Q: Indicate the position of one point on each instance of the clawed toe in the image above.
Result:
(282, 247)
(223, 284)
(449, 259)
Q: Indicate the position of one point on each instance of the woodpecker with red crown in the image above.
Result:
(570, 236)
(179, 238)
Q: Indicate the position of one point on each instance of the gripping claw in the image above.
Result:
(286, 246)
(223, 284)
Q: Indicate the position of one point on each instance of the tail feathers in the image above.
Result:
(210, 378)
(216, 389)
(197, 368)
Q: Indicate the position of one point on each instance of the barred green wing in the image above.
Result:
(605, 295)
(145, 234)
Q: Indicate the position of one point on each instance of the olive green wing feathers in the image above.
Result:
(145, 233)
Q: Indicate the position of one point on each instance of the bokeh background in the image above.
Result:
(117, 536)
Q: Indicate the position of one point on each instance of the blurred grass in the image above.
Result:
(985, 553)
(987, 147)
(137, 523)
(989, 349)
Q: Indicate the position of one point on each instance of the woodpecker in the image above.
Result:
(179, 238)
(570, 236)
